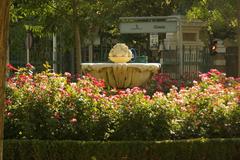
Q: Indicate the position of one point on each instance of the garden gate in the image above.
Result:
(195, 59)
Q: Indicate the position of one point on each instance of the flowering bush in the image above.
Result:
(211, 106)
(163, 82)
(47, 105)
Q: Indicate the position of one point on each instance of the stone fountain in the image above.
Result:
(121, 74)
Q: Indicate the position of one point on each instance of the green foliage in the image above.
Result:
(221, 16)
(197, 149)
(53, 16)
(46, 105)
(56, 16)
(50, 106)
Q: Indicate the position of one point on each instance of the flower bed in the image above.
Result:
(51, 106)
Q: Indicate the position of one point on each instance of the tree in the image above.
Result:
(238, 33)
(223, 17)
(69, 17)
(4, 17)
(85, 16)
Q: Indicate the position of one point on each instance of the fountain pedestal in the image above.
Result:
(122, 75)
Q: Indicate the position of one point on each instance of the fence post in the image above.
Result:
(180, 46)
(54, 53)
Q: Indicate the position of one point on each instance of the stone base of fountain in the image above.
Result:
(122, 75)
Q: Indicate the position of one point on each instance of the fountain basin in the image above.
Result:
(122, 75)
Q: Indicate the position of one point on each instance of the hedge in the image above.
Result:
(193, 149)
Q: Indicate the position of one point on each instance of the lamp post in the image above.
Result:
(54, 56)
(28, 43)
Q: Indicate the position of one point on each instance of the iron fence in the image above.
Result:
(195, 59)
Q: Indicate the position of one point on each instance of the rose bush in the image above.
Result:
(211, 106)
(163, 82)
(52, 106)
(138, 118)
(48, 106)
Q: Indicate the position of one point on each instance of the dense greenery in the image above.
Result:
(49, 106)
(58, 16)
(198, 149)
(222, 19)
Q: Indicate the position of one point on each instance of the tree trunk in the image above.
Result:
(78, 49)
(4, 18)
(78, 53)
(238, 35)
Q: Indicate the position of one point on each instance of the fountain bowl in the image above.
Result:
(122, 75)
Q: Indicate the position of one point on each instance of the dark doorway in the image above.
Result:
(232, 61)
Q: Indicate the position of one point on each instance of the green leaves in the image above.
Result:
(221, 16)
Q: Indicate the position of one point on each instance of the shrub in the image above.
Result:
(136, 116)
(208, 107)
(51, 106)
(197, 149)
(48, 106)
(163, 82)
